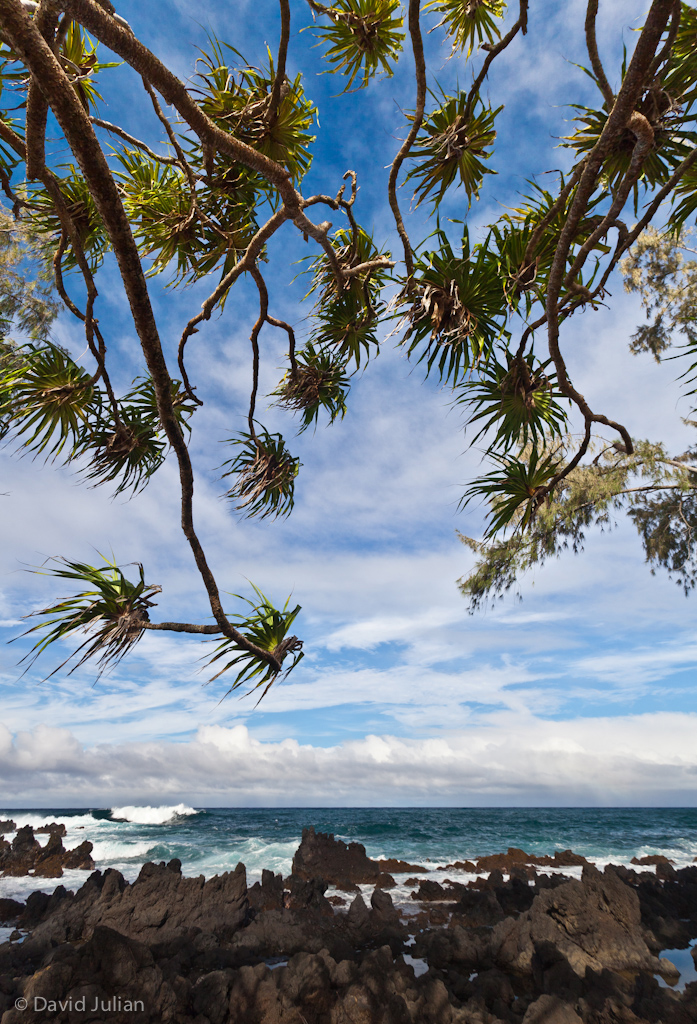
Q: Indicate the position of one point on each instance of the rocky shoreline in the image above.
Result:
(521, 944)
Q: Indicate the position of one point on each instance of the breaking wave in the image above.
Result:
(152, 815)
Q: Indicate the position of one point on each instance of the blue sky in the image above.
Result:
(583, 692)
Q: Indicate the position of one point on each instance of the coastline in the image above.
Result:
(507, 938)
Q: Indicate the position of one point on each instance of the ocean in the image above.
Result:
(209, 841)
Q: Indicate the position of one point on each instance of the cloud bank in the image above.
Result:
(644, 760)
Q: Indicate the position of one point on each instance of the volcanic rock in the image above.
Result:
(26, 854)
(320, 855)
(55, 826)
(159, 905)
(594, 923)
(7, 826)
(398, 867)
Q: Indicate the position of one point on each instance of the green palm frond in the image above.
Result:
(467, 20)
(319, 381)
(110, 611)
(48, 400)
(518, 397)
(266, 627)
(363, 38)
(459, 310)
(80, 205)
(347, 321)
(265, 474)
(672, 141)
(513, 490)
(453, 144)
(78, 57)
(239, 102)
(679, 77)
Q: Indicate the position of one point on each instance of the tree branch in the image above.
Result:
(592, 47)
(420, 66)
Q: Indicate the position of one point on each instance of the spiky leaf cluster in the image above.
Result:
(469, 22)
(458, 309)
(363, 38)
(347, 316)
(266, 627)
(238, 100)
(110, 611)
(318, 381)
(513, 491)
(264, 472)
(455, 141)
(517, 397)
(87, 223)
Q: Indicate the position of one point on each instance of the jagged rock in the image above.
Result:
(320, 855)
(398, 867)
(550, 1009)
(9, 910)
(516, 857)
(460, 865)
(594, 923)
(7, 826)
(478, 909)
(655, 858)
(55, 826)
(269, 894)
(26, 854)
(160, 904)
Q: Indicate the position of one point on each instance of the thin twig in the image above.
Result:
(115, 130)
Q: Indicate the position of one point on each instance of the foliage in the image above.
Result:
(111, 612)
(457, 308)
(265, 475)
(469, 20)
(206, 206)
(266, 627)
(517, 397)
(318, 381)
(454, 143)
(363, 37)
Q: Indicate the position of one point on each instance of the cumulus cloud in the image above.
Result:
(638, 760)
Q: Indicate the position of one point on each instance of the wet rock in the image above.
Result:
(594, 923)
(10, 910)
(656, 858)
(55, 826)
(7, 826)
(26, 854)
(398, 867)
(320, 855)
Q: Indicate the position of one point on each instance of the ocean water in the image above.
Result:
(209, 841)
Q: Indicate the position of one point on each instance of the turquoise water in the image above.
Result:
(210, 841)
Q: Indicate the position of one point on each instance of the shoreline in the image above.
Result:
(512, 941)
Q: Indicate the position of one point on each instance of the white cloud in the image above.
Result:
(512, 759)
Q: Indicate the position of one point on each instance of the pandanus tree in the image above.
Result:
(483, 317)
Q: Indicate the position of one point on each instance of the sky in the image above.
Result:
(579, 692)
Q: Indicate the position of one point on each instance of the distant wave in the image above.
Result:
(151, 815)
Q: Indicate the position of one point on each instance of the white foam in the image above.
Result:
(112, 851)
(152, 815)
